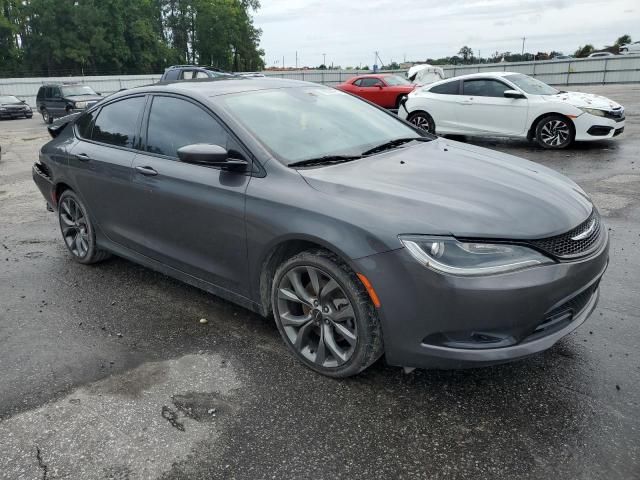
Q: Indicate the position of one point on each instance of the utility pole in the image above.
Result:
(296, 59)
(523, 39)
(282, 61)
(324, 59)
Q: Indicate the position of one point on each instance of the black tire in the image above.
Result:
(421, 120)
(46, 116)
(363, 344)
(28, 116)
(77, 230)
(555, 132)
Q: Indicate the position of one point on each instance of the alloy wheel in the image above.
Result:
(45, 116)
(75, 230)
(317, 316)
(421, 121)
(555, 133)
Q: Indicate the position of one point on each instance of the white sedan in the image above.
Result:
(512, 105)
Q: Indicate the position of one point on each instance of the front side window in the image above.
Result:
(484, 88)
(301, 123)
(449, 88)
(370, 82)
(187, 75)
(174, 123)
(117, 123)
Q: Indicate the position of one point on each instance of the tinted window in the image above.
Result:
(55, 92)
(370, 82)
(358, 83)
(174, 123)
(171, 75)
(484, 88)
(84, 124)
(117, 123)
(449, 88)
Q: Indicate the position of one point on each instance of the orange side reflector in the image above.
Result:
(372, 293)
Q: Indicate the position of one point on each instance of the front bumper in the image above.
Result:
(16, 114)
(589, 127)
(431, 320)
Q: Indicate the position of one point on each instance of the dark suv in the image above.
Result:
(189, 72)
(60, 99)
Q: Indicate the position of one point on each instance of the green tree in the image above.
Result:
(466, 53)
(623, 40)
(585, 51)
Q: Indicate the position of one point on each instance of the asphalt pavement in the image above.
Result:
(106, 371)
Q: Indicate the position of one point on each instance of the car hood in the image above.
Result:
(585, 100)
(449, 188)
(84, 98)
(12, 104)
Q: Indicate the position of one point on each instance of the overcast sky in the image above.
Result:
(350, 31)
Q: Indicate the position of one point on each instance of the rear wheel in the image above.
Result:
(325, 315)
(423, 120)
(77, 230)
(554, 132)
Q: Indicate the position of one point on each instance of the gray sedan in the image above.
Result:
(363, 235)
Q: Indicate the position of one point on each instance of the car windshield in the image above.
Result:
(297, 124)
(9, 99)
(77, 90)
(531, 85)
(396, 80)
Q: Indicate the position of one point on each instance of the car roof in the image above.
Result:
(213, 87)
(479, 75)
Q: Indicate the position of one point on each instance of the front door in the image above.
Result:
(484, 110)
(55, 103)
(190, 217)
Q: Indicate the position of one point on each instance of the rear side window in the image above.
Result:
(117, 123)
(174, 123)
(171, 75)
(485, 88)
(187, 75)
(449, 88)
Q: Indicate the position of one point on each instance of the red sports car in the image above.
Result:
(383, 89)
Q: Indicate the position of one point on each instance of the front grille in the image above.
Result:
(580, 241)
(566, 312)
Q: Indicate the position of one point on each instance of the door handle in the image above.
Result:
(146, 171)
(83, 157)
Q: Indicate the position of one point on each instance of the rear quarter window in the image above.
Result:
(449, 88)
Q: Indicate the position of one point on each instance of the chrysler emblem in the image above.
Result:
(586, 233)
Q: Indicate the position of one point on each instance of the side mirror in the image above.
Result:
(513, 94)
(210, 155)
(23, 100)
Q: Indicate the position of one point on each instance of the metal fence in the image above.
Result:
(576, 71)
(583, 71)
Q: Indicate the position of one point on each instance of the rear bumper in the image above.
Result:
(44, 184)
(437, 321)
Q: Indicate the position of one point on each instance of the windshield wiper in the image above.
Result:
(326, 160)
(395, 143)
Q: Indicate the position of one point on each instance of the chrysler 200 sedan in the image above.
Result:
(362, 234)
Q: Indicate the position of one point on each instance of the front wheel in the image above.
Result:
(325, 315)
(554, 132)
(77, 229)
(423, 121)
(46, 116)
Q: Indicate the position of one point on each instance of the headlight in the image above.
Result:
(593, 111)
(2, 109)
(448, 255)
(81, 105)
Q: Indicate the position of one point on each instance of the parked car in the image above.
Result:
(190, 72)
(425, 74)
(251, 74)
(562, 57)
(512, 105)
(384, 90)
(601, 54)
(59, 99)
(630, 49)
(12, 107)
(361, 234)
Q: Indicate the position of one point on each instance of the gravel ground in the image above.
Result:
(107, 373)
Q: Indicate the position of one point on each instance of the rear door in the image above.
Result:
(483, 108)
(100, 162)
(190, 217)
